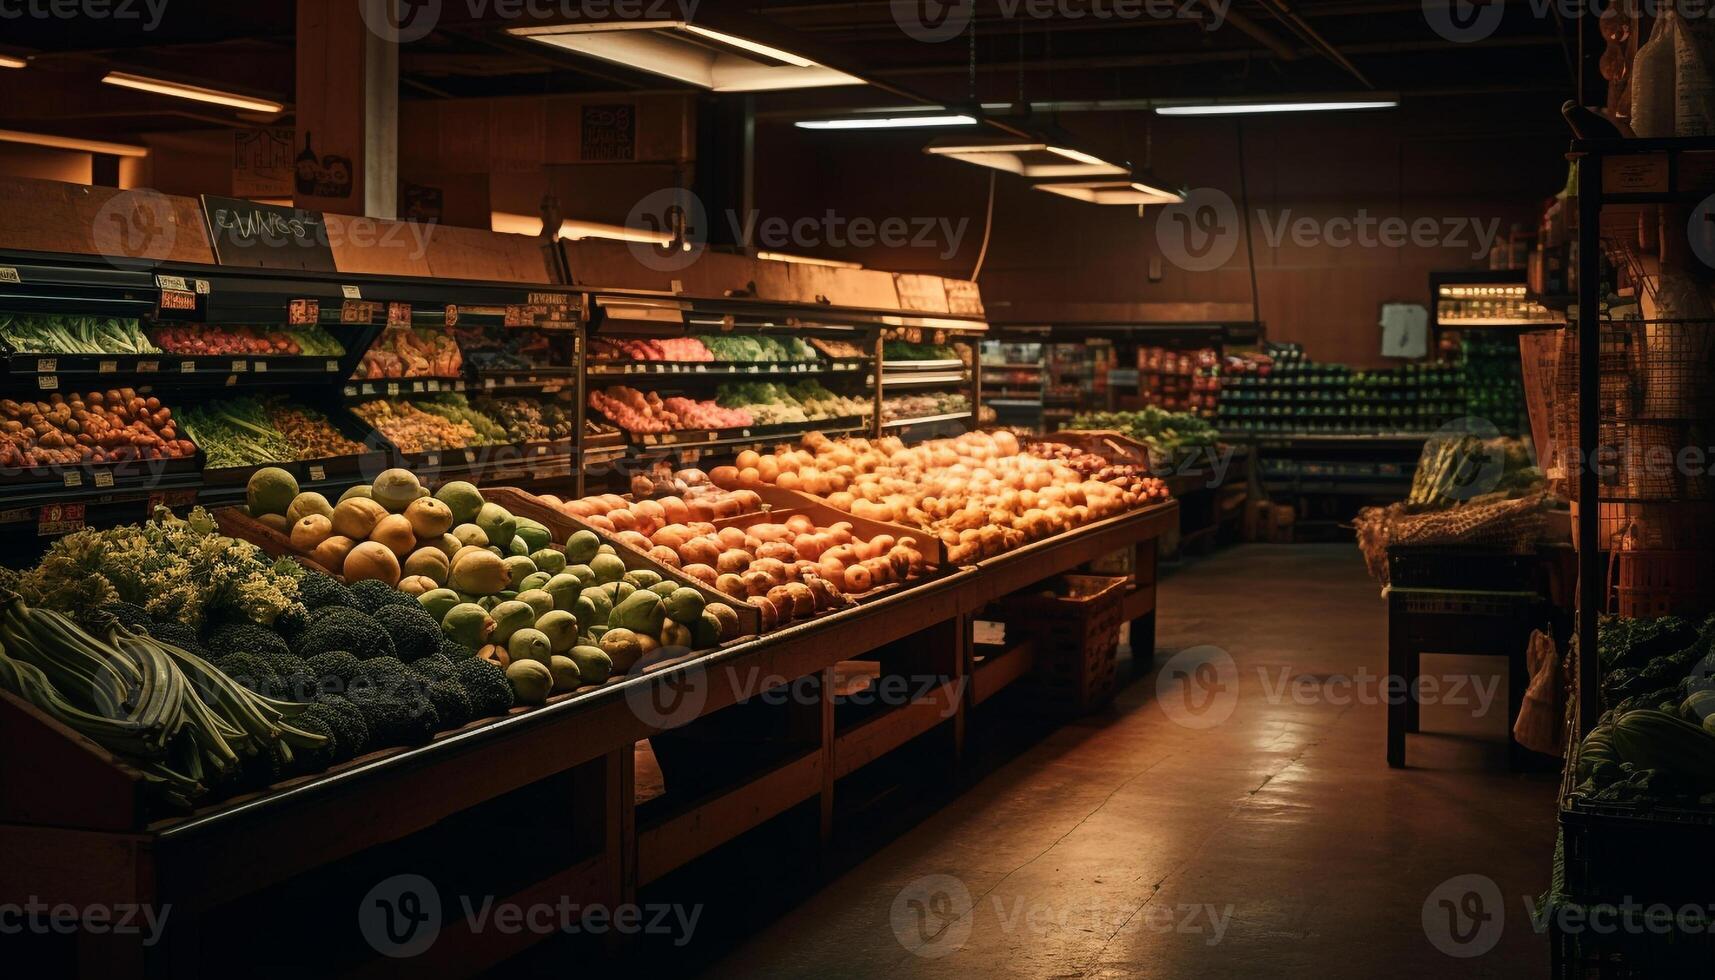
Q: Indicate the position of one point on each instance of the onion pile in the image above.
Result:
(978, 493)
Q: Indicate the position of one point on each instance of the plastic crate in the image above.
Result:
(1075, 628)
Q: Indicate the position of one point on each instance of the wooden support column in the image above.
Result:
(347, 113)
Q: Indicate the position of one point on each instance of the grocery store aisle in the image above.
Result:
(1138, 844)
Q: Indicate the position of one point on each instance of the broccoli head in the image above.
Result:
(244, 637)
(318, 591)
(336, 628)
(490, 692)
(435, 668)
(332, 672)
(297, 682)
(324, 755)
(347, 722)
(452, 704)
(251, 671)
(414, 631)
(455, 651)
(179, 635)
(371, 595)
(393, 719)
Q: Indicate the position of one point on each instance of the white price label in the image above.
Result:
(107, 367)
(416, 387)
(187, 367)
(351, 292)
(986, 633)
(48, 382)
(318, 474)
(147, 367)
(392, 388)
(330, 366)
(261, 367)
(104, 479)
(238, 367)
(434, 460)
(72, 478)
(47, 365)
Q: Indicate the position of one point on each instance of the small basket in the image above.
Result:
(1662, 583)
(1076, 632)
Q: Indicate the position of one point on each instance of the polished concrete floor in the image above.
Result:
(1189, 832)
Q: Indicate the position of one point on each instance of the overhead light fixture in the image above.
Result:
(73, 143)
(523, 224)
(807, 260)
(1246, 108)
(690, 53)
(7, 61)
(194, 92)
(1025, 157)
(889, 122)
(1113, 192)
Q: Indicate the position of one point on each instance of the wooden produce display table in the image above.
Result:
(89, 847)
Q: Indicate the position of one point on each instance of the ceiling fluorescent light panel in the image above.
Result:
(691, 54)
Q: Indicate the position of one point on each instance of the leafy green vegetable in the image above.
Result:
(54, 334)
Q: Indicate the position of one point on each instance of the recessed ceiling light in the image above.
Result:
(889, 122)
(73, 143)
(7, 61)
(1113, 192)
(523, 224)
(1025, 157)
(690, 53)
(1245, 108)
(196, 93)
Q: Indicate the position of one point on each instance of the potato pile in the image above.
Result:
(978, 493)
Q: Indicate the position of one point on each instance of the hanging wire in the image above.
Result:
(988, 226)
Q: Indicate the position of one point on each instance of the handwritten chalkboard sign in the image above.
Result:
(266, 236)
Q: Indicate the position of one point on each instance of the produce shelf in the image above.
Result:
(925, 420)
(945, 364)
(394, 387)
(716, 438)
(681, 371)
(996, 667)
(930, 378)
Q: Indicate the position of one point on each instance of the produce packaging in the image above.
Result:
(411, 352)
(46, 333)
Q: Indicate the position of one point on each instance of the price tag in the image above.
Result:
(745, 433)
(261, 367)
(104, 478)
(9, 274)
(351, 292)
(72, 478)
(416, 387)
(398, 314)
(392, 388)
(47, 365)
(187, 367)
(48, 382)
(357, 311)
(330, 366)
(434, 460)
(177, 299)
(452, 315)
(107, 367)
(201, 285)
(147, 367)
(231, 380)
(487, 383)
(433, 385)
(660, 368)
(631, 369)
(301, 312)
(240, 367)
(754, 369)
(60, 518)
(702, 368)
(172, 282)
(986, 633)
(318, 474)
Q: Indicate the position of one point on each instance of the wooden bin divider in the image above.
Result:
(235, 523)
(562, 525)
(814, 507)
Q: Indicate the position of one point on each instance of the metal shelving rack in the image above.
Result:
(1649, 174)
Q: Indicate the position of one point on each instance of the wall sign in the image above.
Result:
(608, 133)
(265, 236)
(262, 162)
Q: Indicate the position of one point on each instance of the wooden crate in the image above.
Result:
(1075, 632)
(562, 526)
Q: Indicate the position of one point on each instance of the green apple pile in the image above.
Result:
(557, 619)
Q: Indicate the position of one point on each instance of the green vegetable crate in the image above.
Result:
(1074, 622)
(1616, 852)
